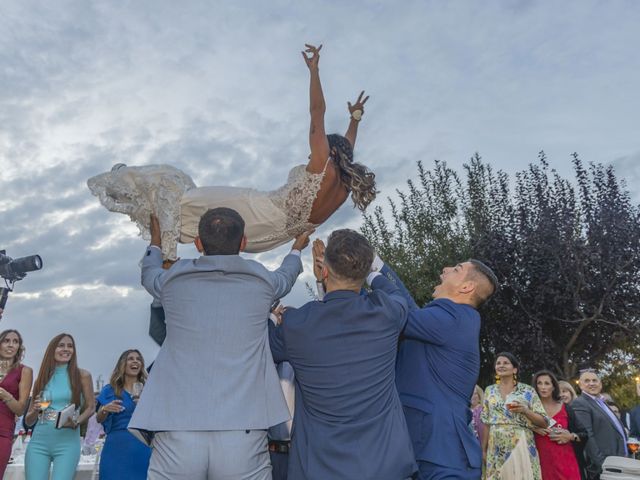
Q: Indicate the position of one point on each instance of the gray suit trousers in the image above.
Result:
(219, 455)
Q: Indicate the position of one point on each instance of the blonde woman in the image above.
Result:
(123, 455)
(567, 392)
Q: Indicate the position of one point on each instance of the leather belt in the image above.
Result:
(277, 446)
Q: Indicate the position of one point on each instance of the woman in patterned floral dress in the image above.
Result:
(510, 409)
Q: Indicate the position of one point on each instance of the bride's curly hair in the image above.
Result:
(360, 181)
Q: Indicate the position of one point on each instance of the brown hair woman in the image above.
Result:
(15, 385)
(60, 383)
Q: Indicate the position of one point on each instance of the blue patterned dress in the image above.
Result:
(505, 428)
(123, 456)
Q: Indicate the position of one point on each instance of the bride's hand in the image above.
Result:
(359, 105)
(312, 61)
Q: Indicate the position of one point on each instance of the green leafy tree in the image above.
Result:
(567, 254)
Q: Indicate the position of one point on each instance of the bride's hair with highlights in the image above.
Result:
(360, 181)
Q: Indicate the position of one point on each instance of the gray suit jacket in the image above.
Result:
(214, 370)
(603, 437)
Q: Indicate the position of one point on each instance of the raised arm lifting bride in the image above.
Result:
(312, 193)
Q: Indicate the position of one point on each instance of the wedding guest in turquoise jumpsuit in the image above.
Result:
(61, 383)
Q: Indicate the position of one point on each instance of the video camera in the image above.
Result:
(13, 270)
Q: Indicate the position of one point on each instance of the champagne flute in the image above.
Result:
(633, 444)
(45, 401)
(137, 390)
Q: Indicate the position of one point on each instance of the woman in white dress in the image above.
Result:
(312, 193)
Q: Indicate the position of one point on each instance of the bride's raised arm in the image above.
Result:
(355, 111)
(317, 136)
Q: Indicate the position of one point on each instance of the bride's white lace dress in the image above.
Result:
(271, 218)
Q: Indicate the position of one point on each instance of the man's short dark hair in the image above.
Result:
(221, 230)
(483, 270)
(348, 255)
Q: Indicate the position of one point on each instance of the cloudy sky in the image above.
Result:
(219, 90)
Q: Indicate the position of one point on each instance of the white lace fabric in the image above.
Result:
(159, 189)
(296, 198)
(140, 191)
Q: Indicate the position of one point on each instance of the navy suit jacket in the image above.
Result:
(437, 368)
(348, 421)
(634, 424)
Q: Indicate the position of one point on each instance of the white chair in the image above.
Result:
(620, 468)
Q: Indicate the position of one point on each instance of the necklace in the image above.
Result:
(4, 368)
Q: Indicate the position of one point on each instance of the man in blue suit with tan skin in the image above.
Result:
(438, 366)
(348, 421)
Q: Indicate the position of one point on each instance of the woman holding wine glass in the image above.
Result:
(511, 409)
(123, 456)
(15, 385)
(60, 384)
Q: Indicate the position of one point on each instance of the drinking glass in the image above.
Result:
(137, 390)
(633, 444)
(45, 401)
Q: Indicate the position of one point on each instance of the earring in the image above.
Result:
(515, 378)
(497, 379)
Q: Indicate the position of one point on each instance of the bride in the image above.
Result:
(312, 193)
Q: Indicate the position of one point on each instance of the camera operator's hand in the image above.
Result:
(154, 227)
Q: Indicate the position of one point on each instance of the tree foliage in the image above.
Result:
(567, 253)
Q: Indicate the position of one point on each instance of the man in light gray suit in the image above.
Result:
(213, 391)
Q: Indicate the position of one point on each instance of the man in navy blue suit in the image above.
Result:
(348, 421)
(438, 366)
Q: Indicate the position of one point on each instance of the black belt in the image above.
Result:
(278, 446)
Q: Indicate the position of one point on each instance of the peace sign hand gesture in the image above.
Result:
(359, 105)
(312, 61)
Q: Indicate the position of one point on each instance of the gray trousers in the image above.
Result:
(220, 455)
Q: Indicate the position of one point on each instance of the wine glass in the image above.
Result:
(45, 401)
(633, 444)
(136, 390)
